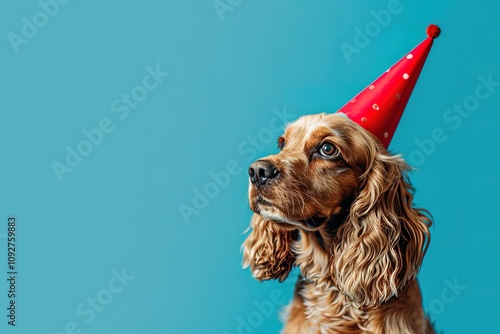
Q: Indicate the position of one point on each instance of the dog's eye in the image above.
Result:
(327, 150)
(281, 143)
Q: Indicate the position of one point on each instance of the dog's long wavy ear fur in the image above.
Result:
(382, 246)
(267, 250)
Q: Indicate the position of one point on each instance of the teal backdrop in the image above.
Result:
(127, 128)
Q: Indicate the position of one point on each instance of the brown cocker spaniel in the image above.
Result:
(336, 204)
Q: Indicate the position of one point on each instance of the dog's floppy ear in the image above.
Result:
(384, 240)
(267, 249)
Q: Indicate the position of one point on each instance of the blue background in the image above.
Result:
(120, 207)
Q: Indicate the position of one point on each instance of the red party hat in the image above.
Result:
(379, 107)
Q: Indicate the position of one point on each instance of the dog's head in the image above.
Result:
(334, 181)
(317, 171)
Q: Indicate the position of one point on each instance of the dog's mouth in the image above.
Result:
(262, 201)
(266, 209)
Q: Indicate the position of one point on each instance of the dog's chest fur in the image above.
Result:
(325, 307)
(331, 312)
(327, 310)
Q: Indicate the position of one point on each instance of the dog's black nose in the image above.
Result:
(261, 171)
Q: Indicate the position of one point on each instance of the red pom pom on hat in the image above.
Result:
(433, 31)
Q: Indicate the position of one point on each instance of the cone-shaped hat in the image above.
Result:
(379, 107)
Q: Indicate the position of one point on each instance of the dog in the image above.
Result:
(334, 203)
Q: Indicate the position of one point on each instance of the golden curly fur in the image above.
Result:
(336, 204)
